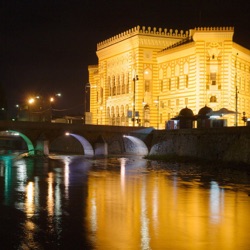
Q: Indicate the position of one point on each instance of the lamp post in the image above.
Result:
(244, 118)
(51, 101)
(134, 80)
(31, 102)
(87, 85)
(236, 94)
(157, 103)
(236, 106)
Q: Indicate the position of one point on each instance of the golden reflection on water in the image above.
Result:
(129, 205)
(150, 210)
(29, 204)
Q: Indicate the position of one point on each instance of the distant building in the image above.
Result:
(163, 71)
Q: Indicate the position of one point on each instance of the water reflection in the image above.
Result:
(120, 203)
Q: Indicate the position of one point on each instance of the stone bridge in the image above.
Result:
(230, 144)
(46, 138)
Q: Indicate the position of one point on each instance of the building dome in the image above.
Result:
(186, 112)
(204, 111)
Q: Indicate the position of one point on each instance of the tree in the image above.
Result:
(3, 104)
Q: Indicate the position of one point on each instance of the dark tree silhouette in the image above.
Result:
(3, 104)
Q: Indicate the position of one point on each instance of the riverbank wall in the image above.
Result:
(227, 144)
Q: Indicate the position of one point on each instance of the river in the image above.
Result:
(73, 202)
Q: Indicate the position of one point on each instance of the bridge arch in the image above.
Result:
(31, 149)
(137, 147)
(88, 149)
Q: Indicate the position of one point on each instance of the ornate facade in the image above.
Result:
(145, 76)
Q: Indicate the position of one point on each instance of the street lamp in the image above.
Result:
(236, 94)
(157, 103)
(134, 80)
(31, 102)
(87, 85)
(51, 101)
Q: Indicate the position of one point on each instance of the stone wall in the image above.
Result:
(225, 144)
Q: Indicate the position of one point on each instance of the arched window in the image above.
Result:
(186, 80)
(109, 86)
(109, 115)
(127, 88)
(118, 85)
(101, 95)
(108, 112)
(147, 80)
(161, 85)
(113, 86)
(117, 114)
(112, 116)
(177, 82)
(169, 83)
(123, 84)
(213, 98)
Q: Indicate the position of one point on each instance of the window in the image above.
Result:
(213, 78)
(177, 102)
(123, 84)
(213, 98)
(161, 85)
(147, 79)
(113, 86)
(169, 84)
(108, 112)
(127, 89)
(109, 86)
(114, 89)
(177, 82)
(186, 81)
(118, 85)
(147, 85)
(101, 95)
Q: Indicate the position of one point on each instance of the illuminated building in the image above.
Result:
(163, 71)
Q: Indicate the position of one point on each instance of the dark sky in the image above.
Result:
(46, 45)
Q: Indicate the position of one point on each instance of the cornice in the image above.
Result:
(143, 31)
(213, 33)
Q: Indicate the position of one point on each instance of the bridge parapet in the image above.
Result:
(42, 131)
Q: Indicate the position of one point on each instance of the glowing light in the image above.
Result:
(216, 201)
(31, 100)
(215, 116)
(50, 198)
(93, 217)
(30, 199)
(123, 172)
(66, 179)
(145, 239)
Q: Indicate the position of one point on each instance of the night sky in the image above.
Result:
(47, 45)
